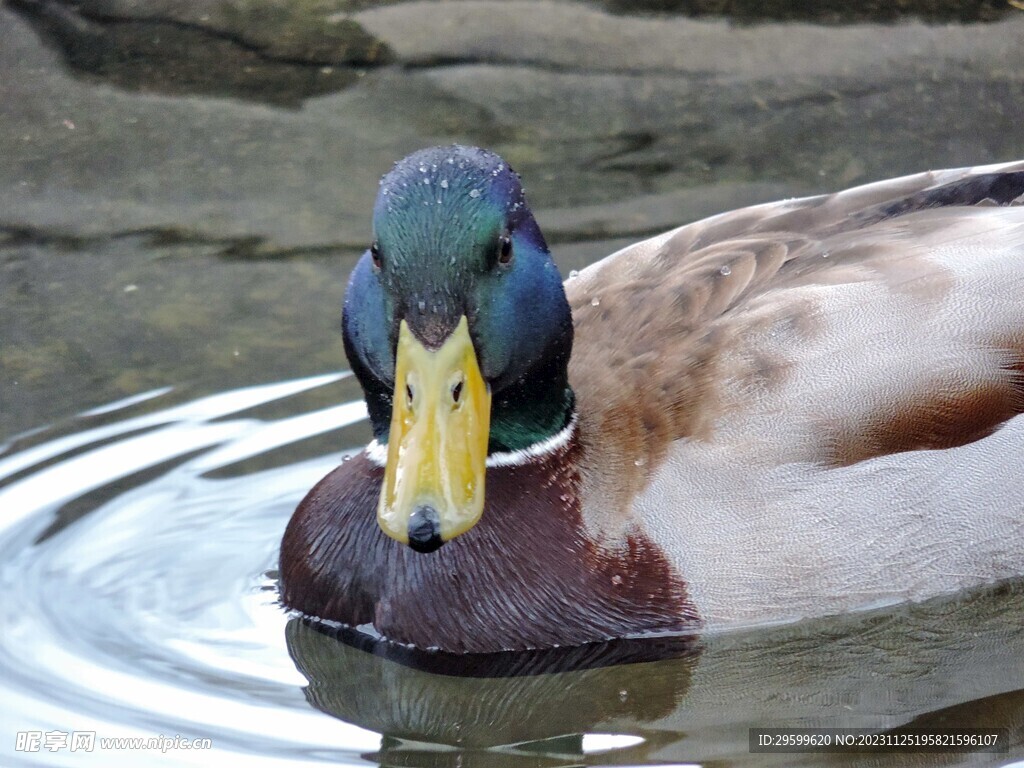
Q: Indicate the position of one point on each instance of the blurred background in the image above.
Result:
(185, 184)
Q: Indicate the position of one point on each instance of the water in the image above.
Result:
(138, 568)
(139, 543)
(181, 199)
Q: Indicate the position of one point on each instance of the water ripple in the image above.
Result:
(153, 613)
(138, 548)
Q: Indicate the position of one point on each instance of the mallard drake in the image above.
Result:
(797, 409)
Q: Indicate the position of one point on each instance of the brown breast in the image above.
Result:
(526, 576)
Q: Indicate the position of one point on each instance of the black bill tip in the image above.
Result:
(425, 529)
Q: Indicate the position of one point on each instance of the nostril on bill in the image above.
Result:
(425, 529)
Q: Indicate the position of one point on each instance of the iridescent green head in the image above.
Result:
(458, 270)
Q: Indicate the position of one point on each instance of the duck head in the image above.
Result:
(458, 329)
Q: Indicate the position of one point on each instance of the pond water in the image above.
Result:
(182, 193)
(138, 548)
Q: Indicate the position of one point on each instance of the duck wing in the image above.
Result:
(885, 318)
(813, 406)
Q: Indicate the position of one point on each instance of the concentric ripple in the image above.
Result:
(151, 613)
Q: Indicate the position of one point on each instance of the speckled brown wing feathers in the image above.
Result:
(663, 327)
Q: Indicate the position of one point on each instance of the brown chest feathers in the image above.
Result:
(526, 576)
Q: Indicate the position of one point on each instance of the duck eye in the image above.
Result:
(457, 392)
(375, 254)
(505, 250)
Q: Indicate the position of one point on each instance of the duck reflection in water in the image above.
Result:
(948, 662)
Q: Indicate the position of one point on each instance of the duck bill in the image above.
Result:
(437, 446)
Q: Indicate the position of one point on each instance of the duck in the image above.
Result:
(794, 410)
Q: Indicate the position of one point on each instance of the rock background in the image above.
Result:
(185, 185)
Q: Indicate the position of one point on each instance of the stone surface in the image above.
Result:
(278, 52)
(235, 202)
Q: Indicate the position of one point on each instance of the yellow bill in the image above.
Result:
(437, 447)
